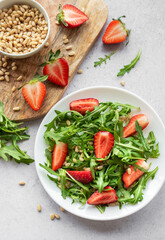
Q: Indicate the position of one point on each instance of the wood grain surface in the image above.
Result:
(80, 38)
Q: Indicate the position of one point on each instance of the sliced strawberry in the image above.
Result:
(105, 197)
(115, 32)
(81, 176)
(132, 176)
(59, 155)
(82, 105)
(57, 68)
(34, 92)
(130, 128)
(103, 143)
(70, 16)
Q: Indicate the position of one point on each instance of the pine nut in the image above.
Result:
(2, 78)
(1, 73)
(16, 109)
(64, 37)
(122, 83)
(72, 53)
(7, 78)
(65, 41)
(76, 149)
(52, 216)
(99, 167)
(5, 64)
(13, 89)
(19, 78)
(79, 71)
(68, 122)
(68, 47)
(129, 171)
(74, 160)
(21, 183)
(57, 22)
(62, 209)
(67, 164)
(39, 208)
(57, 216)
(14, 68)
(46, 44)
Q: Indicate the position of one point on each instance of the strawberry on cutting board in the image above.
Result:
(81, 176)
(59, 155)
(103, 143)
(82, 105)
(70, 16)
(56, 68)
(106, 197)
(34, 91)
(130, 128)
(130, 176)
(115, 32)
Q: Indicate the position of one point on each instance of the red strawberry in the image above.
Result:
(82, 105)
(59, 155)
(34, 92)
(103, 143)
(70, 16)
(81, 176)
(130, 128)
(115, 32)
(132, 176)
(105, 197)
(57, 68)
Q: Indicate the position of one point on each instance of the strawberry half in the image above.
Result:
(82, 105)
(70, 16)
(81, 176)
(34, 92)
(103, 143)
(56, 68)
(59, 155)
(130, 128)
(115, 32)
(128, 179)
(105, 197)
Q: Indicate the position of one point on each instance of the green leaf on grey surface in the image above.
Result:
(127, 68)
(107, 116)
(10, 134)
(101, 60)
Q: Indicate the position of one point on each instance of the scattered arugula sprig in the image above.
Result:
(107, 116)
(11, 133)
(127, 68)
(101, 60)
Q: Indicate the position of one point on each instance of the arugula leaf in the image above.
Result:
(101, 60)
(11, 133)
(127, 68)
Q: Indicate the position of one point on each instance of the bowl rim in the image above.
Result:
(29, 54)
(44, 184)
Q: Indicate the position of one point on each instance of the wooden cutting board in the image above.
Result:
(80, 38)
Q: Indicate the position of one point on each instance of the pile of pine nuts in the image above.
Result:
(22, 29)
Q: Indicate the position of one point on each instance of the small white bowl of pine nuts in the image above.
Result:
(24, 28)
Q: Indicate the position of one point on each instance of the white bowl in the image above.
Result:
(32, 3)
(103, 94)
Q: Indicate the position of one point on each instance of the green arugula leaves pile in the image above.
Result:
(110, 117)
(10, 134)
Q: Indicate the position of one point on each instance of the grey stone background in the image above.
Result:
(19, 219)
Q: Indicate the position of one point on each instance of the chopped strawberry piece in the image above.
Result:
(70, 16)
(130, 128)
(81, 176)
(103, 143)
(105, 197)
(82, 105)
(132, 176)
(115, 32)
(59, 155)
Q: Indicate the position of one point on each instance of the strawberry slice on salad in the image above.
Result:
(129, 177)
(103, 143)
(115, 32)
(130, 128)
(81, 176)
(59, 155)
(56, 68)
(70, 16)
(82, 105)
(106, 197)
(34, 91)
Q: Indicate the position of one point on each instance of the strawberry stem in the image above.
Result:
(61, 16)
(36, 78)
